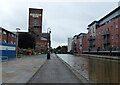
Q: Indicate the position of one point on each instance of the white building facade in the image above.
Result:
(69, 44)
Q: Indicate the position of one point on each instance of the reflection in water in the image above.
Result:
(96, 70)
(103, 70)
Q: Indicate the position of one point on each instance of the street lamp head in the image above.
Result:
(17, 28)
(50, 31)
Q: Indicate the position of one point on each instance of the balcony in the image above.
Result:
(91, 38)
(105, 33)
(92, 44)
(106, 41)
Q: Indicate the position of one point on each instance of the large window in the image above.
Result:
(13, 35)
(112, 36)
(4, 41)
(117, 36)
(116, 26)
(36, 22)
(4, 32)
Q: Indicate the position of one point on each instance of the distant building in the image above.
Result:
(74, 44)
(69, 44)
(7, 44)
(85, 43)
(80, 42)
(103, 35)
(92, 34)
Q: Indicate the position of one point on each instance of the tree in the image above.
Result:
(26, 41)
(61, 49)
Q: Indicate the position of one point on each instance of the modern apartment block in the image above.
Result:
(78, 43)
(92, 34)
(108, 32)
(103, 35)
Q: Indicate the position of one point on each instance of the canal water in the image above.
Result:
(96, 70)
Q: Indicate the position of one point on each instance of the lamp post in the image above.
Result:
(17, 41)
(48, 43)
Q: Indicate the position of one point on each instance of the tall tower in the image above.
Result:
(35, 22)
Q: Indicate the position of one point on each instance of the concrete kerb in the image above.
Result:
(82, 79)
(35, 73)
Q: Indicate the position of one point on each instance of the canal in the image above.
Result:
(96, 70)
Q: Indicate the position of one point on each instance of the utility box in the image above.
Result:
(7, 50)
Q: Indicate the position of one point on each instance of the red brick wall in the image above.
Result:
(37, 30)
(8, 37)
(78, 46)
(85, 43)
(41, 45)
(112, 30)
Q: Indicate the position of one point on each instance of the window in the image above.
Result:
(99, 33)
(4, 32)
(12, 35)
(12, 42)
(0, 40)
(117, 36)
(112, 37)
(0, 30)
(116, 25)
(35, 22)
(107, 29)
(42, 46)
(4, 41)
(111, 27)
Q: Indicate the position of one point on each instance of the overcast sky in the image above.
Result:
(64, 18)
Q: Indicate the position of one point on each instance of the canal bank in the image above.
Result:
(100, 56)
(83, 79)
(95, 70)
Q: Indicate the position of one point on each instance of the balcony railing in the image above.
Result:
(91, 38)
(106, 41)
(105, 33)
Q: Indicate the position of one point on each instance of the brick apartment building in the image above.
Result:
(103, 35)
(78, 43)
(108, 32)
(85, 43)
(74, 44)
(92, 34)
(7, 44)
(7, 36)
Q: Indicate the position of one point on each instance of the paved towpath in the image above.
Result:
(54, 71)
(22, 69)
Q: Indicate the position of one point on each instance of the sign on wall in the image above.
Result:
(8, 50)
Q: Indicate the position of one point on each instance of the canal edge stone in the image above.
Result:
(78, 75)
